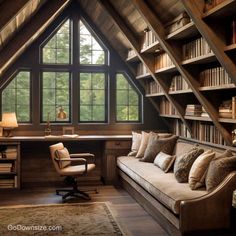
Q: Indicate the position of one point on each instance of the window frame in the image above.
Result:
(140, 100)
(8, 81)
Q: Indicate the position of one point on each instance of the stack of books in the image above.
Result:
(142, 70)
(153, 87)
(10, 152)
(193, 110)
(225, 109)
(149, 38)
(7, 183)
(204, 113)
(5, 167)
(162, 61)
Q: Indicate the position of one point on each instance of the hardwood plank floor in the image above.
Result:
(133, 219)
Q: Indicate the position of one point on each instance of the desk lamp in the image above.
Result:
(9, 122)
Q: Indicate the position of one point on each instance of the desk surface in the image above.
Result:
(62, 138)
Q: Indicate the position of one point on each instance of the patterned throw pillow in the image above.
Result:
(199, 168)
(184, 163)
(156, 144)
(136, 141)
(63, 153)
(219, 168)
(143, 144)
(164, 161)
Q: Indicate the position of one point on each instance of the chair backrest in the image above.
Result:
(53, 148)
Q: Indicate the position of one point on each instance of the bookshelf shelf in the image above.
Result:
(184, 32)
(8, 173)
(210, 57)
(166, 70)
(133, 58)
(155, 95)
(170, 116)
(181, 91)
(155, 47)
(198, 118)
(230, 48)
(224, 120)
(143, 76)
(224, 9)
(221, 87)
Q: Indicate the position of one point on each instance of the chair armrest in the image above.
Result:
(84, 155)
(84, 161)
(211, 211)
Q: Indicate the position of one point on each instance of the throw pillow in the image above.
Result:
(164, 161)
(156, 144)
(132, 154)
(199, 168)
(63, 153)
(143, 144)
(219, 168)
(136, 141)
(184, 163)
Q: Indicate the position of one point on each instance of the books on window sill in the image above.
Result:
(196, 48)
(178, 83)
(209, 4)
(193, 110)
(149, 38)
(166, 107)
(142, 70)
(214, 77)
(153, 88)
(162, 61)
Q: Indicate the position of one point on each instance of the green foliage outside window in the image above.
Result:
(16, 97)
(90, 50)
(56, 94)
(57, 49)
(92, 97)
(127, 100)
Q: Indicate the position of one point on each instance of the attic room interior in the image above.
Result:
(118, 117)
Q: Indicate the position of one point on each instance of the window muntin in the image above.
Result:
(127, 101)
(57, 50)
(55, 94)
(93, 97)
(91, 53)
(16, 97)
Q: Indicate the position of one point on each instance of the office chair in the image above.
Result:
(62, 161)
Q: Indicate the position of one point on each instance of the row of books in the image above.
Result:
(227, 109)
(214, 77)
(209, 4)
(10, 153)
(233, 32)
(196, 48)
(153, 88)
(163, 60)
(8, 182)
(131, 53)
(180, 129)
(178, 83)
(207, 133)
(166, 107)
(6, 167)
(193, 110)
(149, 38)
(142, 70)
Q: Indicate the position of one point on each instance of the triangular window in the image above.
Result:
(57, 49)
(91, 52)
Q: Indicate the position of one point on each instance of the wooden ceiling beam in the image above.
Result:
(9, 10)
(156, 26)
(145, 59)
(30, 32)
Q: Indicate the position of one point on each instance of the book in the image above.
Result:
(233, 107)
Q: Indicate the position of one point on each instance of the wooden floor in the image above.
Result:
(133, 219)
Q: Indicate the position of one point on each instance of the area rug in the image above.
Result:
(58, 219)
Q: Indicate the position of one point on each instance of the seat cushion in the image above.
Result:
(162, 186)
(63, 154)
(76, 170)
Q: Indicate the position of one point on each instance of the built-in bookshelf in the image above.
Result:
(9, 165)
(206, 83)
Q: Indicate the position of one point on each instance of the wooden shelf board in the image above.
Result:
(186, 31)
(221, 87)
(227, 120)
(155, 95)
(143, 76)
(8, 173)
(134, 58)
(166, 70)
(201, 59)
(224, 9)
(181, 91)
(230, 47)
(199, 118)
(7, 159)
(155, 47)
(170, 116)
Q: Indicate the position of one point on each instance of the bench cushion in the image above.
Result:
(162, 186)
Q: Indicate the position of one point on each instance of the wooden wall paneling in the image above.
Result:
(30, 32)
(159, 30)
(148, 62)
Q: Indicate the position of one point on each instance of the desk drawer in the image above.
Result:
(118, 145)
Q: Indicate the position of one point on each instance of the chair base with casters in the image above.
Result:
(63, 162)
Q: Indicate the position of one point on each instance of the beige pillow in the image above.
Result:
(199, 168)
(63, 153)
(132, 154)
(136, 141)
(143, 144)
(164, 161)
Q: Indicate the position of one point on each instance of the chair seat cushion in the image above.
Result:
(162, 186)
(76, 170)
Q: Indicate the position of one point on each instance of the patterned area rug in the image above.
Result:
(58, 219)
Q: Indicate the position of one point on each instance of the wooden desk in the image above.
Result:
(36, 166)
